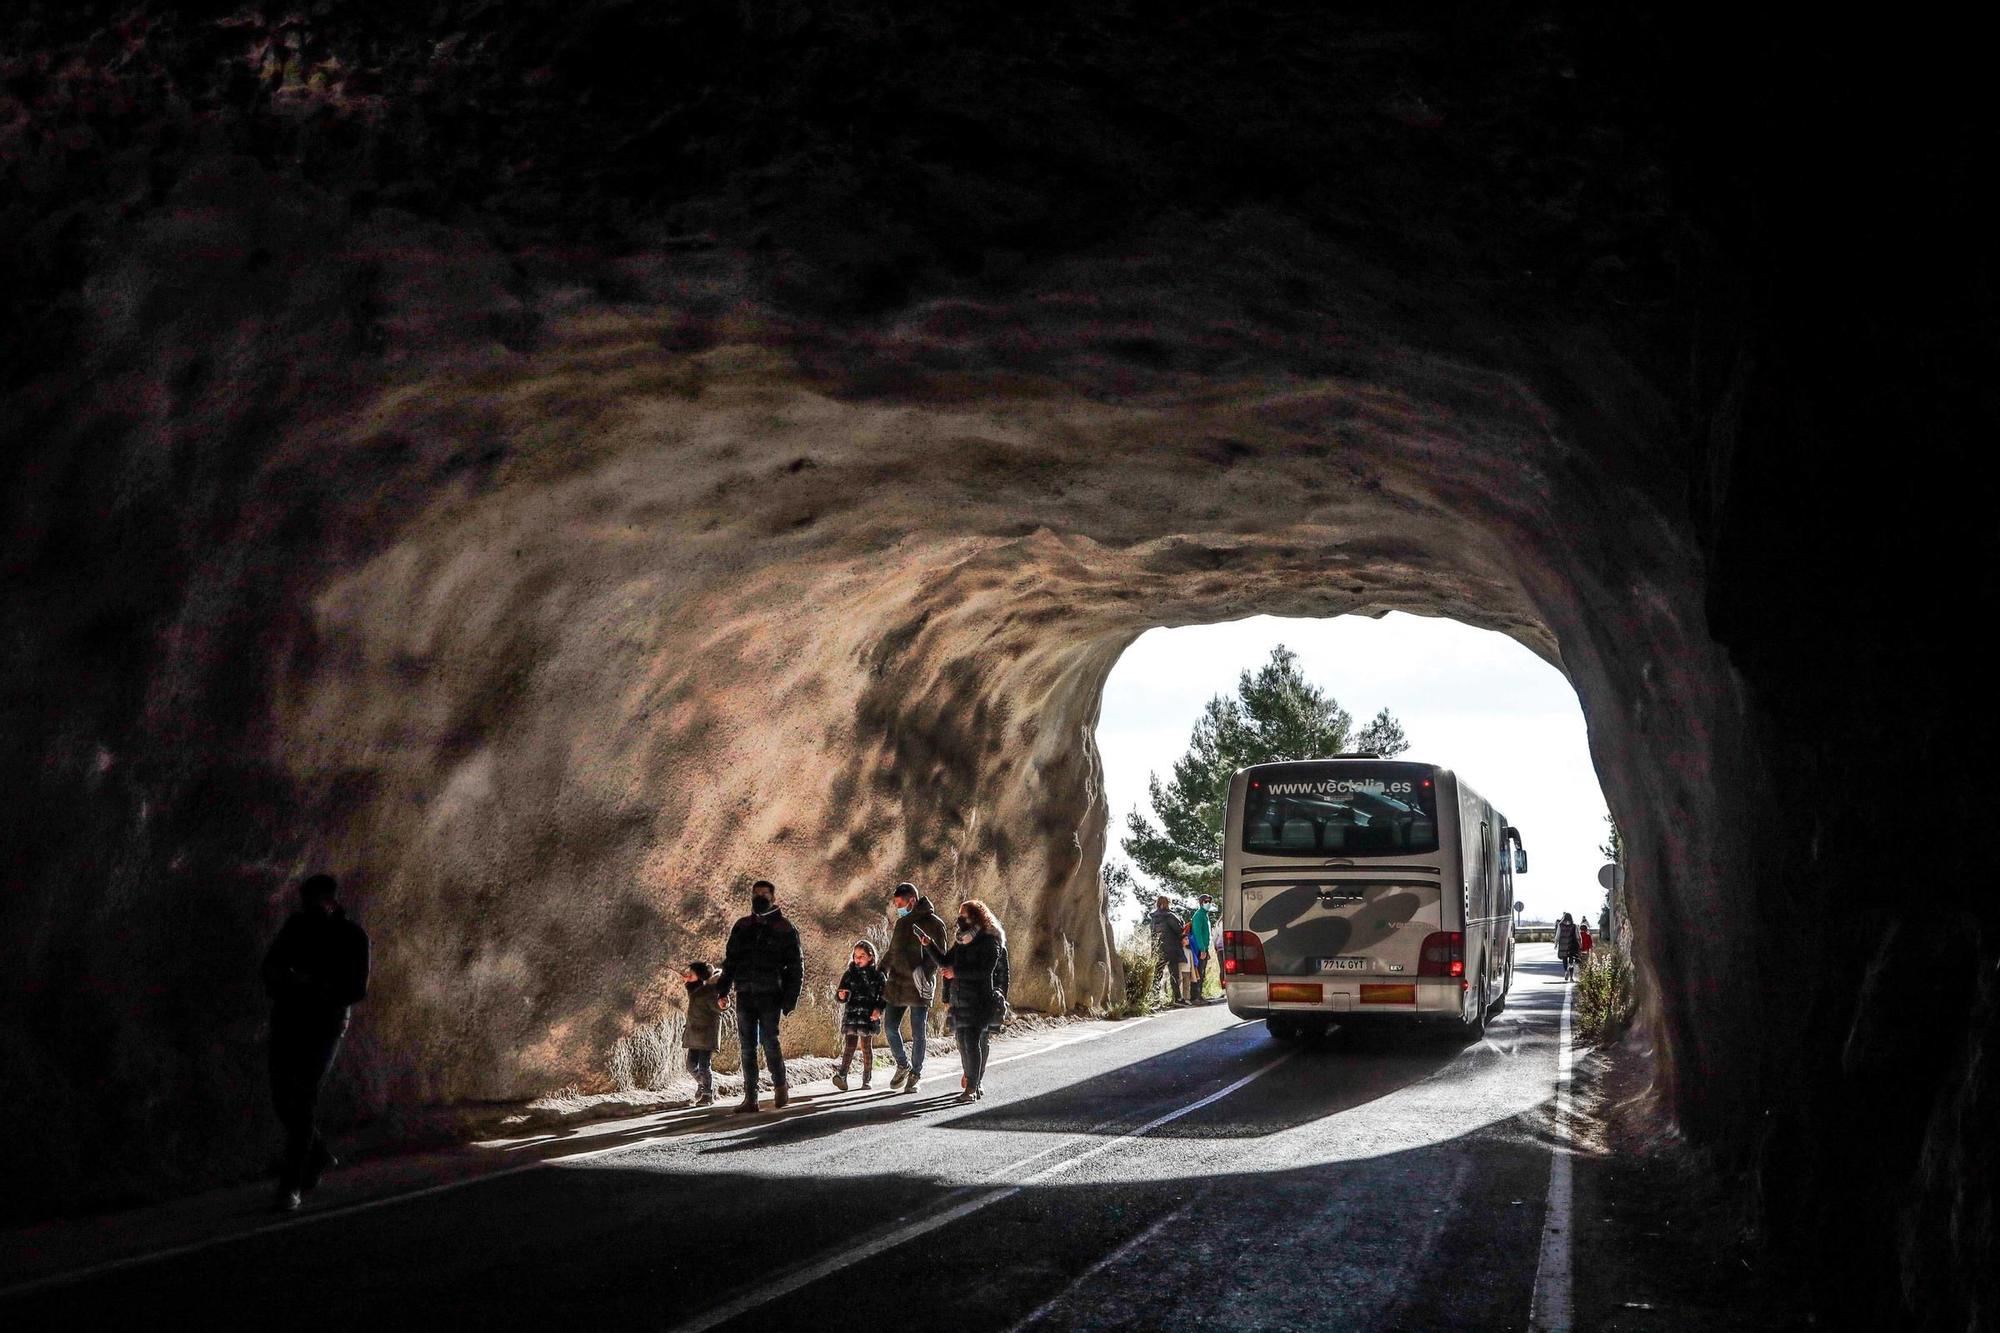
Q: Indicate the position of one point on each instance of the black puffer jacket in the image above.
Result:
(863, 1006)
(317, 966)
(764, 959)
(978, 979)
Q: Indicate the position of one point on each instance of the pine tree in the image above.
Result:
(1276, 714)
(1613, 847)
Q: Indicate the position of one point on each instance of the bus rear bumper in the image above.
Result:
(1389, 999)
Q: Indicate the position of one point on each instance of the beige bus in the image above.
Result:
(1363, 890)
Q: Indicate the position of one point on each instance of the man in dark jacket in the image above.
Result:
(765, 965)
(910, 982)
(313, 972)
(1168, 952)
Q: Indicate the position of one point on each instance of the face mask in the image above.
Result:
(902, 911)
(760, 904)
(965, 925)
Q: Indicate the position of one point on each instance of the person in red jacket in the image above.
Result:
(1583, 943)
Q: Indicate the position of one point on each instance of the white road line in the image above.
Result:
(286, 1224)
(1553, 1307)
(1041, 1311)
(307, 1219)
(805, 1277)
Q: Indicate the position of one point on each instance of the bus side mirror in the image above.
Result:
(1520, 859)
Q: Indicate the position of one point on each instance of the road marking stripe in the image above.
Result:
(1041, 1311)
(305, 1219)
(1552, 1310)
(805, 1277)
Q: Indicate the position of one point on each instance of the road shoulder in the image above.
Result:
(1662, 1240)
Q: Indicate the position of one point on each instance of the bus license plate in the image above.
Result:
(1343, 964)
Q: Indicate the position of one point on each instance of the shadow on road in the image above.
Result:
(1344, 1073)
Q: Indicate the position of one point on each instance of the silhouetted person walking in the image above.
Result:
(313, 971)
(766, 966)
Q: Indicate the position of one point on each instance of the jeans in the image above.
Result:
(972, 1049)
(920, 1017)
(700, 1065)
(302, 1051)
(757, 1021)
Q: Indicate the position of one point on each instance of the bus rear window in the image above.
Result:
(1321, 810)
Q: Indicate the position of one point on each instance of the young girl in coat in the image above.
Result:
(703, 1032)
(861, 1018)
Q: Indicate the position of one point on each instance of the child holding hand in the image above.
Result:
(703, 1032)
(861, 1018)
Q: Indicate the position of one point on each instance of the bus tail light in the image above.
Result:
(1242, 954)
(1443, 954)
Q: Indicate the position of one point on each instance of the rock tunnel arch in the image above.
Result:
(346, 465)
(731, 594)
(547, 640)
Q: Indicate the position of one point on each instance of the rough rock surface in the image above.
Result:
(551, 513)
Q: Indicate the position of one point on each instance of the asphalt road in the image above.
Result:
(1185, 1172)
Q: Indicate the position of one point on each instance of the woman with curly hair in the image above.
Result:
(976, 967)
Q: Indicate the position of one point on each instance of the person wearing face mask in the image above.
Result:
(765, 965)
(976, 966)
(909, 982)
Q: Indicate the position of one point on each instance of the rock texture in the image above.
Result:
(552, 513)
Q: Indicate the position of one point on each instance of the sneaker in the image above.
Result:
(839, 1080)
(911, 1086)
(902, 1076)
(780, 1094)
(289, 1201)
(747, 1105)
(978, 1094)
(705, 1099)
(968, 1096)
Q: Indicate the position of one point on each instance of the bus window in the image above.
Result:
(1483, 893)
(1313, 810)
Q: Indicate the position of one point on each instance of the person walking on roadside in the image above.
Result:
(1201, 943)
(1168, 953)
(765, 965)
(1566, 945)
(861, 1018)
(702, 1034)
(315, 971)
(1583, 943)
(909, 982)
(976, 967)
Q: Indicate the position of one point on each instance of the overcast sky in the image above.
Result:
(1469, 699)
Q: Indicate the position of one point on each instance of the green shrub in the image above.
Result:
(1604, 996)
